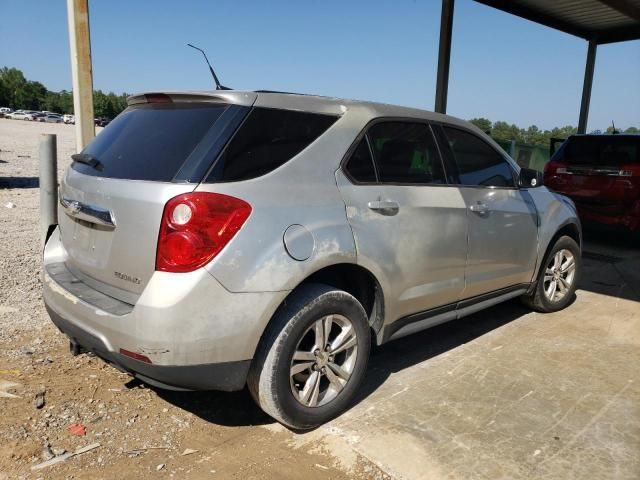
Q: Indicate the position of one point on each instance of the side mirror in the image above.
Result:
(530, 178)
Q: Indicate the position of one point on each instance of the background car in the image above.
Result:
(5, 110)
(69, 119)
(22, 115)
(601, 174)
(51, 118)
(102, 121)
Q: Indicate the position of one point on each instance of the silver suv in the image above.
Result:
(214, 240)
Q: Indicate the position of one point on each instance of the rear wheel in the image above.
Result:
(312, 358)
(558, 277)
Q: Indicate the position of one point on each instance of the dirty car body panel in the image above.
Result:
(200, 329)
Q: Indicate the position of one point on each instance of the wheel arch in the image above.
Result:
(570, 229)
(353, 279)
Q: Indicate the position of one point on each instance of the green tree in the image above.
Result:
(31, 96)
(632, 130)
(483, 124)
(505, 132)
(13, 83)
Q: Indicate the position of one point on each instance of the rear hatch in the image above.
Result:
(599, 172)
(110, 212)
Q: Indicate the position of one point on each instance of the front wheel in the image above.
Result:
(312, 358)
(558, 277)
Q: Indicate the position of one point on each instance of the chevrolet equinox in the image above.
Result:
(223, 239)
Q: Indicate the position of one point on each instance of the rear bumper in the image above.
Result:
(629, 219)
(195, 333)
(227, 376)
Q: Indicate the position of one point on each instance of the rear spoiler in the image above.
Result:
(234, 97)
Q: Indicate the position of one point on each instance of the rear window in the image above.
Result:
(266, 140)
(606, 151)
(150, 141)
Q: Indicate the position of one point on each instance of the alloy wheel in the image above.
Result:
(559, 275)
(323, 361)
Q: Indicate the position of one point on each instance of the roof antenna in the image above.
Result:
(219, 86)
(614, 128)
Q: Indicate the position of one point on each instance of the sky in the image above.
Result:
(502, 67)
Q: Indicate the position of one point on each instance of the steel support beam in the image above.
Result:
(444, 56)
(80, 47)
(586, 87)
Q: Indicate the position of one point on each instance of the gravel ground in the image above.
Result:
(142, 432)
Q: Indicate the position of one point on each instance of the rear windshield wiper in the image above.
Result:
(87, 160)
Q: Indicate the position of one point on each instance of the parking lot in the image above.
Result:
(505, 393)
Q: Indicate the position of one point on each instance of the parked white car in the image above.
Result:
(69, 119)
(21, 115)
(5, 110)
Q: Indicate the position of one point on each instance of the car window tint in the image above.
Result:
(406, 153)
(478, 163)
(360, 165)
(605, 151)
(266, 140)
(150, 141)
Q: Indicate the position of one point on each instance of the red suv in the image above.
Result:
(601, 174)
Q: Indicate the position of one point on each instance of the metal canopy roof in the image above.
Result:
(600, 21)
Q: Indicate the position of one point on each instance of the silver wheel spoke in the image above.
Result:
(311, 389)
(557, 259)
(339, 371)
(345, 340)
(300, 367)
(548, 278)
(564, 283)
(568, 265)
(304, 356)
(322, 330)
(552, 289)
(335, 381)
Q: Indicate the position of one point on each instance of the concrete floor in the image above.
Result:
(510, 394)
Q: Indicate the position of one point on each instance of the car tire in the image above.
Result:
(562, 267)
(316, 393)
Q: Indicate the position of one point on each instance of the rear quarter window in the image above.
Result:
(267, 139)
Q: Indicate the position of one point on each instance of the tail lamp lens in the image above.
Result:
(196, 227)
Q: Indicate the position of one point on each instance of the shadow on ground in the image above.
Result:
(19, 182)
(611, 263)
(609, 269)
(238, 408)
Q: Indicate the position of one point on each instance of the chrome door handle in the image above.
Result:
(384, 207)
(479, 208)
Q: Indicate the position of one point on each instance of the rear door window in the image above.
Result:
(266, 140)
(406, 152)
(478, 163)
(360, 166)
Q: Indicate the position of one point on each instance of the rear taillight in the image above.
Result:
(195, 227)
(554, 168)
